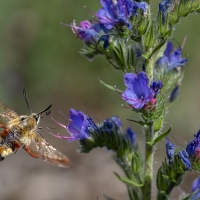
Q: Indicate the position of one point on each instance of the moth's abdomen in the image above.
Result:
(9, 142)
(5, 151)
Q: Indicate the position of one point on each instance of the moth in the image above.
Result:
(22, 130)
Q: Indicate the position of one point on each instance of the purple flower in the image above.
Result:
(171, 59)
(77, 128)
(194, 146)
(117, 121)
(156, 86)
(164, 8)
(174, 93)
(131, 135)
(87, 31)
(169, 149)
(110, 123)
(115, 11)
(191, 148)
(196, 188)
(185, 159)
(138, 93)
(143, 6)
(105, 39)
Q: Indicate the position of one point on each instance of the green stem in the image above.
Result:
(146, 189)
(149, 68)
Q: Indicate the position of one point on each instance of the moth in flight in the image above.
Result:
(22, 130)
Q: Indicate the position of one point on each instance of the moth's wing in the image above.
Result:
(6, 114)
(38, 147)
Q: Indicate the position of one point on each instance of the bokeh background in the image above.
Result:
(39, 54)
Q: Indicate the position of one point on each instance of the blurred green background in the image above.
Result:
(39, 54)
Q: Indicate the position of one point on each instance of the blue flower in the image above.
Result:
(185, 159)
(197, 135)
(117, 121)
(196, 188)
(191, 148)
(138, 93)
(109, 124)
(131, 135)
(194, 146)
(114, 12)
(169, 149)
(156, 86)
(87, 31)
(174, 93)
(78, 126)
(105, 39)
(164, 8)
(143, 6)
(171, 59)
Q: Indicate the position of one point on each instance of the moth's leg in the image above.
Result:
(27, 149)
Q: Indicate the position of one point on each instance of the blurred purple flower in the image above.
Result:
(114, 12)
(77, 128)
(87, 31)
(196, 188)
(169, 149)
(164, 8)
(174, 93)
(171, 59)
(105, 39)
(117, 121)
(131, 135)
(138, 93)
(140, 5)
(191, 147)
(119, 11)
(156, 86)
(194, 146)
(110, 123)
(185, 159)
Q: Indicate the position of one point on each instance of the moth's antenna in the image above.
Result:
(44, 110)
(26, 99)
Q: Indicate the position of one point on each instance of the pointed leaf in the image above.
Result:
(139, 122)
(160, 137)
(109, 86)
(128, 181)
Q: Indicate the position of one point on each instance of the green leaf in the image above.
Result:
(128, 181)
(169, 176)
(160, 137)
(110, 87)
(188, 197)
(139, 122)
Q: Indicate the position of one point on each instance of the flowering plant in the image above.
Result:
(124, 33)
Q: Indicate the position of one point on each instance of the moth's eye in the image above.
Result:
(36, 117)
(23, 118)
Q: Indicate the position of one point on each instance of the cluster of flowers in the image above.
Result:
(80, 126)
(139, 93)
(192, 151)
(114, 14)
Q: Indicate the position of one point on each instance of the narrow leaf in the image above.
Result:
(160, 137)
(110, 87)
(127, 181)
(139, 122)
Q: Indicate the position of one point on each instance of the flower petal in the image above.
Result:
(129, 79)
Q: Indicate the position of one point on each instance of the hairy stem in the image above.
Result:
(149, 68)
(146, 189)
